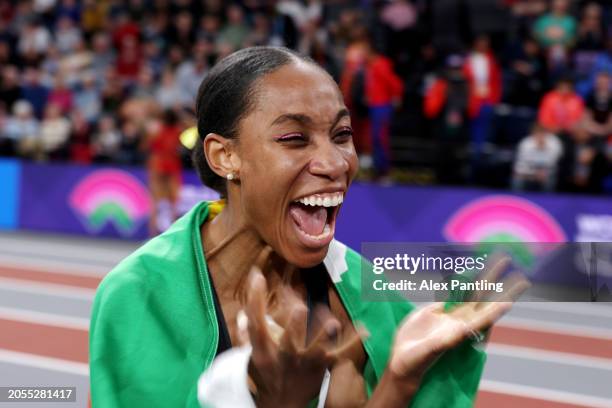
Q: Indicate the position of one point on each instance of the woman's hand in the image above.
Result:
(427, 333)
(285, 368)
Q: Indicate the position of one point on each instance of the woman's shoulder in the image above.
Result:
(164, 266)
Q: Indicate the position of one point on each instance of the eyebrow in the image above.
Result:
(305, 119)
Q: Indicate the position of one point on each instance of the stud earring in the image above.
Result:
(230, 176)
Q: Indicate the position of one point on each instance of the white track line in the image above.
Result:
(51, 289)
(588, 309)
(47, 319)
(51, 266)
(557, 357)
(46, 363)
(528, 391)
(555, 327)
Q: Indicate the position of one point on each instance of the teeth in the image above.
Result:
(322, 200)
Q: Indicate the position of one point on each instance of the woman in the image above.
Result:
(276, 142)
(164, 167)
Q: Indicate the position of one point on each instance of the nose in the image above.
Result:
(329, 161)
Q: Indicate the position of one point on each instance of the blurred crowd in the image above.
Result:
(504, 93)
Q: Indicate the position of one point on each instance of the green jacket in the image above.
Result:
(154, 329)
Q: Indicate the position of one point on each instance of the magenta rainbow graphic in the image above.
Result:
(111, 196)
(503, 218)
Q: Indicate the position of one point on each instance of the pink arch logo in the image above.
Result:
(503, 218)
(111, 196)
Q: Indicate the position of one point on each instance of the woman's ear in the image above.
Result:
(221, 155)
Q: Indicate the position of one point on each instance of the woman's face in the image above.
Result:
(297, 160)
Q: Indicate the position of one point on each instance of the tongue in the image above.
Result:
(310, 219)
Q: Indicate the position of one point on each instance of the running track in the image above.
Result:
(540, 355)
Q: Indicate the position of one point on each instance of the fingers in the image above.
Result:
(343, 351)
(294, 334)
(326, 327)
(256, 310)
(492, 311)
(263, 257)
(491, 274)
(296, 316)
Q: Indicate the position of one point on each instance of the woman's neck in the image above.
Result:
(231, 248)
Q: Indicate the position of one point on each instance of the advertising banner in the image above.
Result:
(94, 200)
(424, 214)
(9, 193)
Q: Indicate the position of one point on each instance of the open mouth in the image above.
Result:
(314, 217)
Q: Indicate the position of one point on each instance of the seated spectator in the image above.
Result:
(129, 151)
(88, 99)
(602, 62)
(106, 140)
(446, 103)
(585, 163)
(34, 91)
(54, 133)
(61, 95)
(446, 99)
(591, 29)
(562, 108)
(536, 160)
(236, 30)
(21, 129)
(67, 35)
(80, 146)
(598, 116)
(556, 32)
(34, 39)
(527, 75)
(557, 27)
(168, 94)
(10, 91)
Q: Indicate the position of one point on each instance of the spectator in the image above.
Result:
(181, 32)
(130, 147)
(22, 130)
(535, 164)
(61, 95)
(598, 118)
(584, 164)
(483, 75)
(526, 76)
(10, 91)
(557, 27)
(88, 99)
(34, 91)
(352, 85)
(235, 31)
(103, 54)
(54, 133)
(80, 146)
(562, 108)
(168, 95)
(106, 140)
(34, 40)
(189, 75)
(383, 90)
(67, 35)
(126, 39)
(591, 30)
(164, 165)
(446, 104)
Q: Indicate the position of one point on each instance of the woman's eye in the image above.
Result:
(292, 138)
(344, 135)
